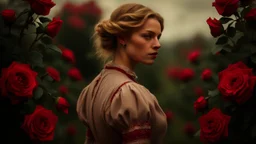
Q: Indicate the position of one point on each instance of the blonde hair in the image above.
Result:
(122, 21)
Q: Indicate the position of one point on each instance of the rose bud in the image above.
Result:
(200, 104)
(8, 15)
(206, 74)
(62, 105)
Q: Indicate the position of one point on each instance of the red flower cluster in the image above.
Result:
(183, 74)
(90, 8)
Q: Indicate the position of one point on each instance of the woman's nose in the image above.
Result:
(157, 44)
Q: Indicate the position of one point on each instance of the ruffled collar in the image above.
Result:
(131, 74)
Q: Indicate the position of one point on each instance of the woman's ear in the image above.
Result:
(121, 40)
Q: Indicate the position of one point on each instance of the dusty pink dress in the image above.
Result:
(118, 110)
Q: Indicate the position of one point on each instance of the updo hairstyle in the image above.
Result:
(122, 21)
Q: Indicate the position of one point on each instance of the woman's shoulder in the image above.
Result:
(131, 90)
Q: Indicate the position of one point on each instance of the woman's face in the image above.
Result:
(143, 43)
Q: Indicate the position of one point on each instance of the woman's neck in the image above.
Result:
(124, 61)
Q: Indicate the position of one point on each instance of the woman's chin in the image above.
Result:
(149, 62)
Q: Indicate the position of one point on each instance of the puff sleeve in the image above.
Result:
(134, 112)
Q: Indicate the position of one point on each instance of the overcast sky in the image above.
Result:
(183, 18)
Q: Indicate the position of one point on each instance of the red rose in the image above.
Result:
(71, 130)
(169, 115)
(63, 89)
(236, 82)
(226, 7)
(200, 104)
(75, 74)
(186, 74)
(206, 74)
(72, 8)
(18, 79)
(199, 91)
(62, 105)
(218, 53)
(189, 129)
(67, 54)
(53, 27)
(40, 125)
(41, 7)
(251, 15)
(173, 72)
(193, 56)
(8, 15)
(214, 126)
(53, 73)
(76, 22)
(215, 26)
(91, 8)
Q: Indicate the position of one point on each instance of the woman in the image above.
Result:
(114, 107)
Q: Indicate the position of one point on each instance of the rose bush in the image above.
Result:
(26, 81)
(230, 116)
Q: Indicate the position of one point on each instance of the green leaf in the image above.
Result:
(245, 11)
(213, 93)
(197, 134)
(253, 58)
(239, 26)
(227, 48)
(44, 19)
(214, 101)
(222, 40)
(38, 93)
(54, 48)
(29, 107)
(48, 78)
(46, 40)
(38, 79)
(251, 35)
(229, 106)
(231, 31)
(225, 20)
(36, 59)
(242, 40)
(252, 47)
(216, 49)
(40, 45)
(40, 29)
(23, 12)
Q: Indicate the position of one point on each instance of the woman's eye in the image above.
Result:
(147, 36)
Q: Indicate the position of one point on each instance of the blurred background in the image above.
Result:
(175, 78)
